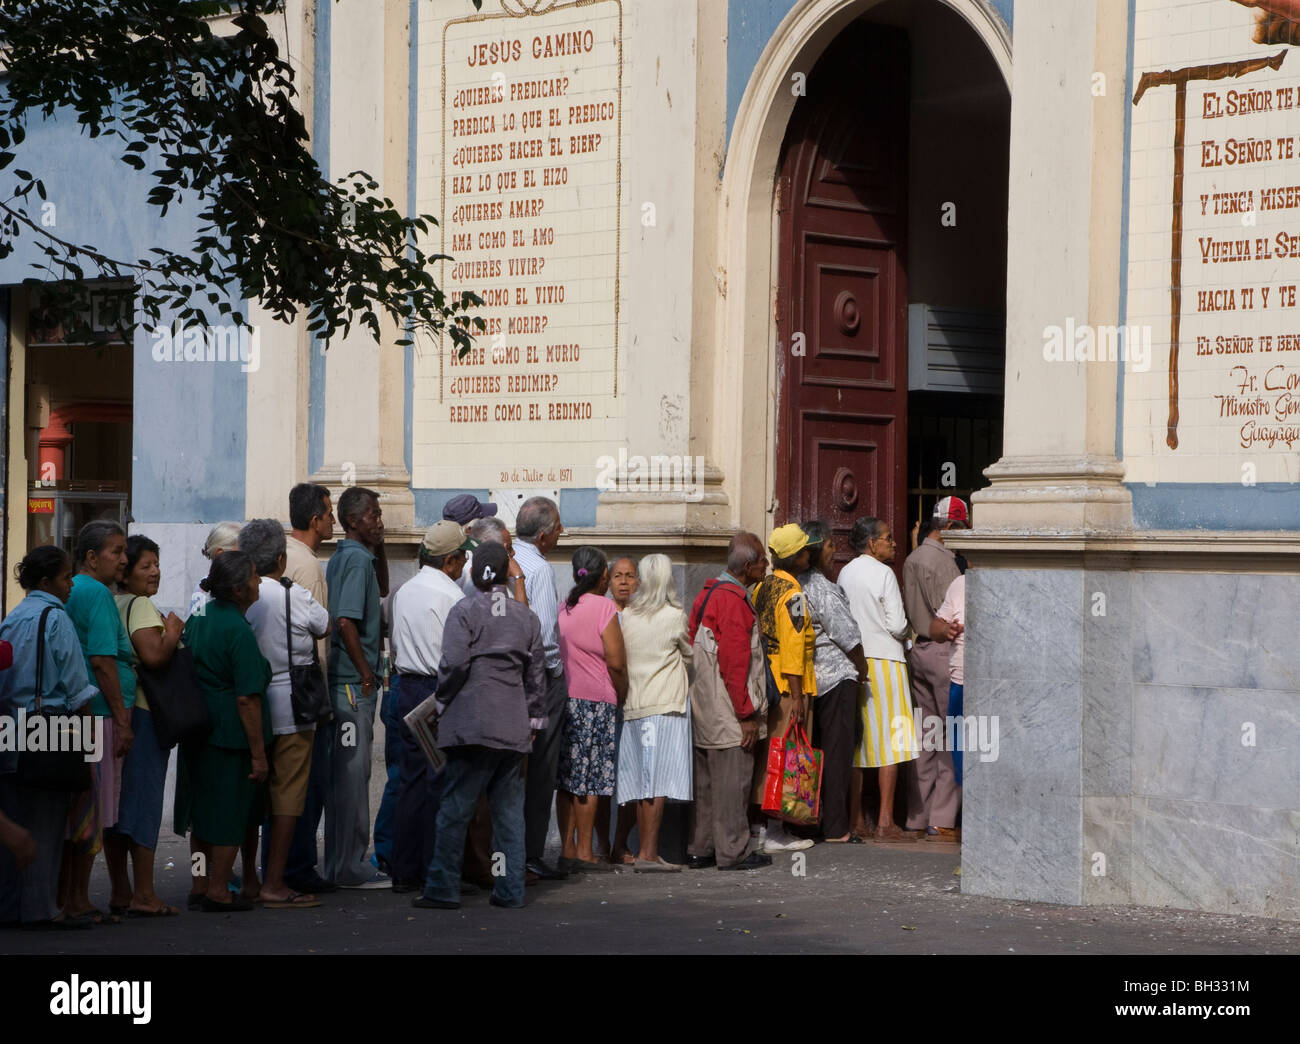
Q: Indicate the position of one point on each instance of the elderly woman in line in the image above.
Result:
(493, 677)
(290, 754)
(595, 664)
(154, 640)
(655, 751)
(221, 796)
(888, 733)
(840, 668)
(29, 884)
(224, 536)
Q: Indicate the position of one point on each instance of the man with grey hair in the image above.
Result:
(537, 531)
(728, 710)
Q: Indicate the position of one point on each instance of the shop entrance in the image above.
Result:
(71, 385)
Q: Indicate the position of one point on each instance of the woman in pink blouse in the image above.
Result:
(595, 664)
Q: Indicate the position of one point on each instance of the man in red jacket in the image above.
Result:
(724, 717)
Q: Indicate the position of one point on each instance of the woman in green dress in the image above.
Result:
(221, 789)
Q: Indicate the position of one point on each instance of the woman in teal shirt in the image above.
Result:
(221, 782)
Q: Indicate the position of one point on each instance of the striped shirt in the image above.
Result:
(539, 585)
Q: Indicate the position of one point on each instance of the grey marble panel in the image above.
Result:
(1023, 624)
(1188, 744)
(1022, 814)
(1227, 858)
(1216, 629)
(1107, 850)
(1107, 681)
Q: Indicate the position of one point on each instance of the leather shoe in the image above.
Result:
(401, 884)
(701, 862)
(423, 902)
(505, 906)
(753, 861)
(544, 872)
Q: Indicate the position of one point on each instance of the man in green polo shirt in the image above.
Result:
(356, 578)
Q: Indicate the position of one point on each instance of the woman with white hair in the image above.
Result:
(654, 760)
(224, 536)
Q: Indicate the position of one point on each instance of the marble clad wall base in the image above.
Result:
(1149, 727)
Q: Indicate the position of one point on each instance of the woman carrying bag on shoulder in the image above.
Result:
(58, 677)
(287, 621)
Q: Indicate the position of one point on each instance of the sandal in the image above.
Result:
(852, 839)
(194, 902)
(658, 866)
(161, 911)
(97, 916)
(296, 900)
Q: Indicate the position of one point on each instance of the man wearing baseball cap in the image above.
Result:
(420, 610)
(934, 797)
(464, 508)
(788, 639)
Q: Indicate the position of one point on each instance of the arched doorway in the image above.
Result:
(958, 56)
(891, 195)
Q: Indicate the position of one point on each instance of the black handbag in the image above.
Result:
(179, 708)
(63, 769)
(308, 693)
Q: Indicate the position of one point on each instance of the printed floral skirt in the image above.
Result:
(587, 764)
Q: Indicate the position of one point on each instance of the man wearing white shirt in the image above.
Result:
(537, 531)
(420, 609)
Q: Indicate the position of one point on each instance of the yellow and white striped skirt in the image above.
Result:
(888, 728)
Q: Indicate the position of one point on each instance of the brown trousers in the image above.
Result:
(719, 823)
(933, 795)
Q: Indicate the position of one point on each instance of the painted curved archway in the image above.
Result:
(746, 324)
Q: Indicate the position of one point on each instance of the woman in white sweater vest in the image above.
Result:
(654, 760)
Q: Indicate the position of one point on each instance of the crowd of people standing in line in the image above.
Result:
(615, 694)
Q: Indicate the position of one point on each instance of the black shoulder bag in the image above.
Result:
(308, 694)
(176, 703)
(64, 768)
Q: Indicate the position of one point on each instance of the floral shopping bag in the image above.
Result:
(793, 790)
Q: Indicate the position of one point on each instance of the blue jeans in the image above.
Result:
(384, 818)
(955, 693)
(468, 773)
(419, 791)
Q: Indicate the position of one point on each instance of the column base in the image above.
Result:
(393, 484)
(1054, 495)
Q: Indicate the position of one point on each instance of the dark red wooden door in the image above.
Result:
(842, 404)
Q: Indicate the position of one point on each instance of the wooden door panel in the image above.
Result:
(842, 404)
(849, 293)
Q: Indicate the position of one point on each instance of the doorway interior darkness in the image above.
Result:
(852, 440)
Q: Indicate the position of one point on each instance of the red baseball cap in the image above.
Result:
(951, 509)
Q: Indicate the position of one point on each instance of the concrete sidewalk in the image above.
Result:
(850, 899)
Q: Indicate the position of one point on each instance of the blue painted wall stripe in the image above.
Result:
(1123, 228)
(321, 150)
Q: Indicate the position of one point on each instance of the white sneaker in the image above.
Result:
(783, 842)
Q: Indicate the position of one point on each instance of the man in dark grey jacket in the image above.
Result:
(492, 683)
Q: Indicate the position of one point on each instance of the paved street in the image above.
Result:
(852, 899)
